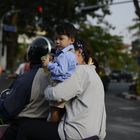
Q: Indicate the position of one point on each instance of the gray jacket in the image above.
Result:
(37, 107)
(85, 108)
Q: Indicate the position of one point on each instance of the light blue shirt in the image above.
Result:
(64, 64)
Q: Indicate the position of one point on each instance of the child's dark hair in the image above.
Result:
(66, 29)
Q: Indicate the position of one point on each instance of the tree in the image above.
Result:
(106, 47)
(52, 12)
(45, 14)
(137, 8)
(137, 26)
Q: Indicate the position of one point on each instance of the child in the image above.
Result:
(64, 62)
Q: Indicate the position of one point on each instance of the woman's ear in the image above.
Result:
(72, 40)
(80, 51)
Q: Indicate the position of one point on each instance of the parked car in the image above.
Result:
(115, 75)
(126, 76)
(119, 75)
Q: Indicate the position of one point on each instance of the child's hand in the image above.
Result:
(45, 60)
(51, 57)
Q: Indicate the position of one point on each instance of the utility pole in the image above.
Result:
(93, 8)
(3, 49)
(8, 39)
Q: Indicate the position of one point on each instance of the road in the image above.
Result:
(123, 116)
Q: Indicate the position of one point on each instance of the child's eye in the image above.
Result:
(61, 38)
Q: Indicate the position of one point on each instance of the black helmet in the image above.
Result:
(38, 48)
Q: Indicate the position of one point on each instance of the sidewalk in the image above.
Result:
(127, 95)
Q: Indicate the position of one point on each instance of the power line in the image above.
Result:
(96, 7)
(122, 2)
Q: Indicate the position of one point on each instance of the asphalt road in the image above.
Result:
(123, 116)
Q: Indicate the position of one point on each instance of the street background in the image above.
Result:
(123, 115)
(112, 30)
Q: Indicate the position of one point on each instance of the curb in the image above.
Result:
(130, 96)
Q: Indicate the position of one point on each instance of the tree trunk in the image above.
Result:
(137, 8)
(11, 51)
(10, 40)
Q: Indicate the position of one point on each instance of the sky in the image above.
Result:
(122, 17)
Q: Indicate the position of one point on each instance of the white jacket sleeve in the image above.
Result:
(102, 133)
(65, 90)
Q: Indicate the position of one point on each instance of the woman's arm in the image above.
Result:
(65, 90)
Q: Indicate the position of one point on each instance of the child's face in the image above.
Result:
(62, 41)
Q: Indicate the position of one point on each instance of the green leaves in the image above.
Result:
(107, 49)
(52, 12)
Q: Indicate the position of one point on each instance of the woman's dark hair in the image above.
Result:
(95, 62)
(66, 28)
(79, 44)
(87, 53)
